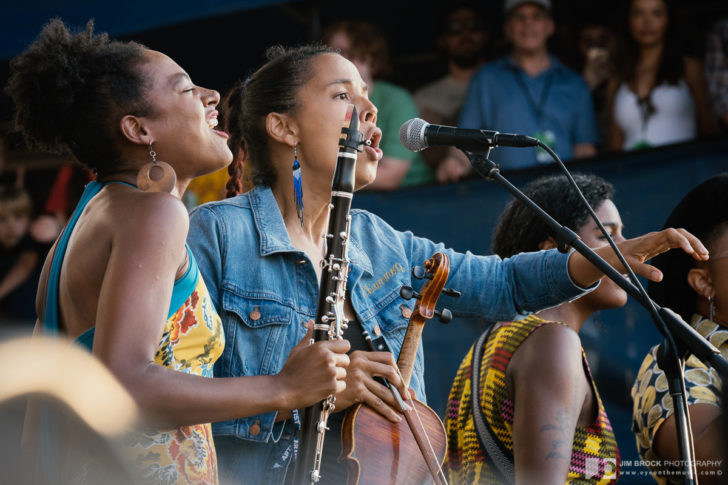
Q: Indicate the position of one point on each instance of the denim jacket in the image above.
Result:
(266, 290)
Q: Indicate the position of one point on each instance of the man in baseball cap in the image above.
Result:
(511, 4)
(530, 92)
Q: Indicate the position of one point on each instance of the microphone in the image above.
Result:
(417, 134)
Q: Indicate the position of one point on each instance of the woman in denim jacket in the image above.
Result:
(261, 261)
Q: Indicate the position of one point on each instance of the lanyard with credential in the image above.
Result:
(537, 109)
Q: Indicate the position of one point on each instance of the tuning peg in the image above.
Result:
(444, 316)
(419, 272)
(451, 292)
(407, 292)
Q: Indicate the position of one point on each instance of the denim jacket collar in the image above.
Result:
(274, 236)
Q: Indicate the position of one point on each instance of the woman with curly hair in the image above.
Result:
(536, 392)
(120, 278)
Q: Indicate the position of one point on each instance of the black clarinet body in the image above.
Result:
(330, 319)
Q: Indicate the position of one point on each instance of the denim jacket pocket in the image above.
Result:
(393, 312)
(263, 333)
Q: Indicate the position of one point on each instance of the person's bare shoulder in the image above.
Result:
(130, 226)
(551, 350)
(141, 216)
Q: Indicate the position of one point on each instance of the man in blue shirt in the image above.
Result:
(529, 92)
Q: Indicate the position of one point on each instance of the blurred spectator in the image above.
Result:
(716, 69)
(596, 46)
(206, 189)
(659, 96)
(19, 258)
(530, 92)
(461, 40)
(366, 48)
(66, 190)
(2, 151)
(64, 194)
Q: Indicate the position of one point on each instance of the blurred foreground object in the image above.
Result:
(84, 410)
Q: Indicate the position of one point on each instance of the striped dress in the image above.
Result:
(594, 457)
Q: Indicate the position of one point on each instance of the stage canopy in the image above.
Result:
(21, 20)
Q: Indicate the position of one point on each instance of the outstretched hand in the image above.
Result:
(636, 251)
(640, 249)
(314, 371)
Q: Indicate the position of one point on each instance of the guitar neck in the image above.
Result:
(411, 343)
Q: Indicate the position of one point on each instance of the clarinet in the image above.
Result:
(330, 320)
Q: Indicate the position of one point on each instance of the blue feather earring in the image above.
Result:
(297, 185)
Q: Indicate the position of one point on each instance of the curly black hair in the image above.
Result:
(703, 212)
(521, 230)
(70, 91)
(271, 89)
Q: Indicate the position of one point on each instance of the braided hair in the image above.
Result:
(71, 90)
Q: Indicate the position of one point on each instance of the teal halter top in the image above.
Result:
(183, 287)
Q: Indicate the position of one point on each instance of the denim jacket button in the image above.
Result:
(255, 428)
(255, 314)
(406, 311)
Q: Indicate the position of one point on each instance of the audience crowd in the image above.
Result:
(621, 85)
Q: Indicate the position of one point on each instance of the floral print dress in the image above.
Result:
(192, 341)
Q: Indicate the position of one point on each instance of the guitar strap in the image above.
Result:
(498, 459)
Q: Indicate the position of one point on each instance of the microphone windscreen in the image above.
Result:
(412, 134)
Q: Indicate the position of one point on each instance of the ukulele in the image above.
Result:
(411, 452)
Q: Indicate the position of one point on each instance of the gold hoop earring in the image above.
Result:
(156, 176)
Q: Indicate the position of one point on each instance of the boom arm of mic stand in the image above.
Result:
(686, 335)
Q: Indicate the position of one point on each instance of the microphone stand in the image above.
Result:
(684, 337)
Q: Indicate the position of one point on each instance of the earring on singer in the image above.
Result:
(297, 185)
(712, 308)
(156, 176)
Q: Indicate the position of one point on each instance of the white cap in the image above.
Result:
(511, 4)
